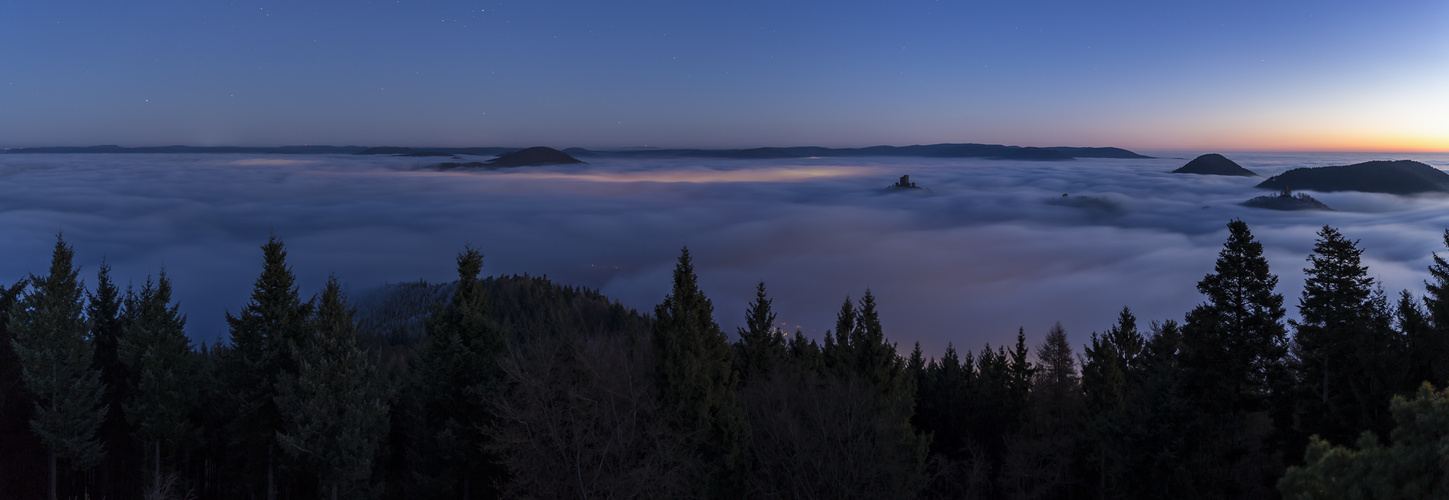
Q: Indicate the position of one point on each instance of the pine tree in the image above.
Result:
(1058, 385)
(1434, 343)
(157, 355)
(335, 409)
(105, 310)
(1156, 422)
(1427, 361)
(696, 383)
(1347, 355)
(256, 356)
(457, 376)
(1410, 465)
(806, 353)
(762, 345)
(1234, 355)
(51, 339)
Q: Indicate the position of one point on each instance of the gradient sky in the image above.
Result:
(1234, 75)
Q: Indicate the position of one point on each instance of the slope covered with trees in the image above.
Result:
(517, 387)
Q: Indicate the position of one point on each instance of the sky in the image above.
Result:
(1221, 76)
(993, 246)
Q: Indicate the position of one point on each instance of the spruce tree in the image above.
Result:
(1234, 356)
(457, 376)
(1348, 358)
(105, 310)
(762, 345)
(157, 354)
(1158, 420)
(696, 383)
(334, 410)
(1427, 361)
(255, 358)
(51, 339)
(1434, 343)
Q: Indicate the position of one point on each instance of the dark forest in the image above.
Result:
(517, 387)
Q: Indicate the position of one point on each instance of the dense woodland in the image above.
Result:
(520, 388)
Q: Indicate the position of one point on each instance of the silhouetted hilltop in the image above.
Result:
(1286, 201)
(577, 152)
(1097, 152)
(1214, 164)
(1002, 152)
(1393, 177)
(1094, 204)
(532, 157)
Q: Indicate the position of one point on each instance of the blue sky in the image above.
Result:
(1143, 75)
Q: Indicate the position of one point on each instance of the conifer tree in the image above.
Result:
(457, 376)
(1157, 422)
(1434, 343)
(1022, 371)
(695, 379)
(157, 355)
(1104, 387)
(335, 411)
(762, 345)
(51, 340)
(806, 353)
(1409, 465)
(1058, 385)
(1427, 362)
(105, 310)
(256, 356)
(1234, 356)
(1347, 355)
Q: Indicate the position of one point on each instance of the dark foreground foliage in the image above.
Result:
(517, 387)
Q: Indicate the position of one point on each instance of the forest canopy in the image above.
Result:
(518, 387)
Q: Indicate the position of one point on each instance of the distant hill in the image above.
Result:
(1286, 201)
(1003, 153)
(989, 151)
(1214, 164)
(533, 157)
(397, 151)
(1393, 177)
(945, 150)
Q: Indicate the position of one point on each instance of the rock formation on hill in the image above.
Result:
(1286, 200)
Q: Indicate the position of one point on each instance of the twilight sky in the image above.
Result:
(1227, 75)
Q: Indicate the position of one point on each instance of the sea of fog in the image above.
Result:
(990, 247)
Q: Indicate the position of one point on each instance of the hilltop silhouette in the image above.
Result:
(1392, 177)
(1214, 164)
(1286, 200)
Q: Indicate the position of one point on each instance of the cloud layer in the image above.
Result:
(992, 246)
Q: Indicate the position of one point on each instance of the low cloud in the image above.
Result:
(992, 247)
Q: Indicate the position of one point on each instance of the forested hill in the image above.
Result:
(1393, 177)
(515, 386)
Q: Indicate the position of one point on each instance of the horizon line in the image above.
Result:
(707, 148)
